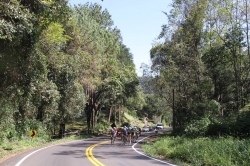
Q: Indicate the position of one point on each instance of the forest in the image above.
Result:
(200, 75)
(200, 67)
(61, 62)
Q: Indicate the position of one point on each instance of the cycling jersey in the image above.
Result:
(133, 131)
(112, 132)
(125, 131)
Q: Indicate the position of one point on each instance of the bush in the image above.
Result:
(198, 128)
(221, 129)
(7, 123)
(132, 113)
(231, 127)
(101, 128)
(242, 125)
(201, 151)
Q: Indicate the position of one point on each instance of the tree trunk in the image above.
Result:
(110, 112)
(54, 127)
(173, 113)
(88, 110)
(119, 114)
(88, 115)
(247, 30)
(92, 111)
(115, 113)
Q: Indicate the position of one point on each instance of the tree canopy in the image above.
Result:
(59, 62)
(204, 59)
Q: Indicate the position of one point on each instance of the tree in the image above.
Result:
(23, 66)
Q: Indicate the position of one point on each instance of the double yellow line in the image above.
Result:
(90, 155)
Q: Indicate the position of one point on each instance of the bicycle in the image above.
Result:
(112, 140)
(134, 138)
(124, 139)
(129, 139)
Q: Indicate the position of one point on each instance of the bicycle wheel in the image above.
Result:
(124, 140)
(130, 139)
(112, 140)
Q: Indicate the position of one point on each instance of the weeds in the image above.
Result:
(201, 151)
(15, 145)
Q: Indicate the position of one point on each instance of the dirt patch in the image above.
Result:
(150, 139)
(154, 138)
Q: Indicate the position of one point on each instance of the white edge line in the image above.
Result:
(22, 160)
(133, 147)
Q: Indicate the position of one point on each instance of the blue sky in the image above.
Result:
(140, 23)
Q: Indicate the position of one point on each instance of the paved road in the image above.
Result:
(75, 154)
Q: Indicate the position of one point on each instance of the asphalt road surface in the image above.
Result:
(88, 152)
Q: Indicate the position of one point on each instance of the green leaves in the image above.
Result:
(54, 34)
(53, 56)
(15, 21)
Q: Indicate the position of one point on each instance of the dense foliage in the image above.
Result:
(200, 67)
(60, 62)
(201, 151)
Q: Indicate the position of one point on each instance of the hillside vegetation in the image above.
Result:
(65, 69)
(199, 151)
(75, 130)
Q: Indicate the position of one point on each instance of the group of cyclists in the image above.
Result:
(128, 135)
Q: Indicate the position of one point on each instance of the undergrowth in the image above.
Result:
(18, 146)
(201, 151)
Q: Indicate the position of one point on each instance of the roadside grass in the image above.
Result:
(9, 148)
(200, 151)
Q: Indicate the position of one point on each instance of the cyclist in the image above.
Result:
(124, 132)
(139, 131)
(112, 135)
(134, 134)
(129, 134)
(115, 130)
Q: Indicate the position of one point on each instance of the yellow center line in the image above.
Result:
(87, 154)
(90, 155)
